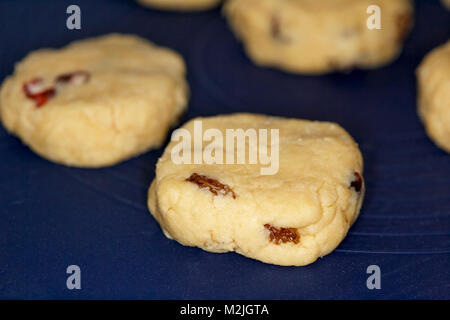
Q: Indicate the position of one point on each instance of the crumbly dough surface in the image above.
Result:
(180, 4)
(433, 76)
(293, 217)
(132, 92)
(314, 37)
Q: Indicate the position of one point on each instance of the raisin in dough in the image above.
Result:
(290, 218)
(95, 102)
(180, 4)
(314, 37)
(434, 95)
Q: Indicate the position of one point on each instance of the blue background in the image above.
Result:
(53, 216)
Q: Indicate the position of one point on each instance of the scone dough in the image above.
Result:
(180, 4)
(290, 218)
(131, 93)
(314, 37)
(433, 77)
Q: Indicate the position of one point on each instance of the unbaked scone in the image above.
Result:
(184, 5)
(433, 83)
(95, 102)
(291, 217)
(314, 37)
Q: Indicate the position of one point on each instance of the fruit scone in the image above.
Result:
(95, 102)
(180, 4)
(320, 36)
(291, 215)
(433, 81)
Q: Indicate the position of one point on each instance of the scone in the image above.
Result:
(433, 83)
(180, 4)
(290, 216)
(95, 102)
(315, 37)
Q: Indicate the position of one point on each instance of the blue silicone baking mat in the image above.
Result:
(54, 216)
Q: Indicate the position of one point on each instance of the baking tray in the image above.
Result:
(54, 216)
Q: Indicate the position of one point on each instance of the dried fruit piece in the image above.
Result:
(357, 182)
(42, 97)
(275, 28)
(74, 78)
(33, 87)
(404, 24)
(35, 90)
(214, 186)
(282, 235)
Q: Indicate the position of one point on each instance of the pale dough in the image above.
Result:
(314, 37)
(433, 77)
(311, 201)
(126, 95)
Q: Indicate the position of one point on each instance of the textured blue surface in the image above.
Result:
(54, 216)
